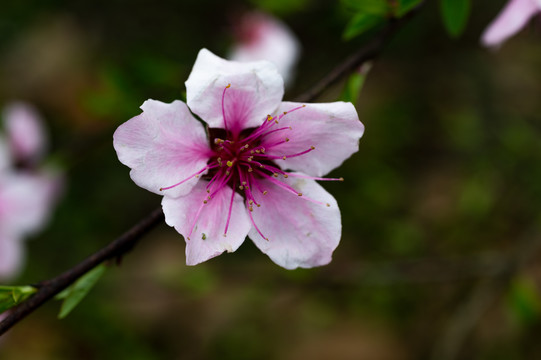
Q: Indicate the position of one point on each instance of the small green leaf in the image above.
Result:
(405, 6)
(14, 295)
(354, 84)
(75, 293)
(373, 7)
(361, 23)
(455, 15)
(524, 300)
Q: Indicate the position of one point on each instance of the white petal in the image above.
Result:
(256, 91)
(300, 233)
(333, 129)
(11, 256)
(263, 37)
(24, 128)
(207, 238)
(510, 20)
(163, 146)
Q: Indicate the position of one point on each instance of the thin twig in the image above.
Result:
(49, 288)
(366, 53)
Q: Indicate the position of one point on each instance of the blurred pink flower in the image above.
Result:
(25, 132)
(227, 183)
(262, 37)
(27, 193)
(511, 19)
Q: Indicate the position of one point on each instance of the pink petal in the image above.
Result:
(5, 155)
(163, 146)
(256, 90)
(333, 129)
(25, 131)
(510, 20)
(263, 37)
(10, 256)
(26, 201)
(207, 237)
(301, 233)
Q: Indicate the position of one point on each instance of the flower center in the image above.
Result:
(243, 160)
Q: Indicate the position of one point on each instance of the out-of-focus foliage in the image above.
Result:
(75, 293)
(455, 15)
(13, 295)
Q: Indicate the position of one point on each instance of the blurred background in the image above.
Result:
(440, 206)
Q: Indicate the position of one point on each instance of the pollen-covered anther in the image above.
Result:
(251, 208)
(265, 192)
(312, 147)
(328, 205)
(229, 163)
(286, 176)
(250, 169)
(341, 179)
(303, 105)
(205, 201)
(275, 175)
(287, 139)
(228, 86)
(258, 151)
(241, 187)
(269, 118)
(251, 202)
(300, 194)
(284, 157)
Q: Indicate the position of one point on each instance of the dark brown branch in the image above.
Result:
(49, 288)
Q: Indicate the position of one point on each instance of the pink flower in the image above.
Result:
(26, 135)
(229, 182)
(27, 194)
(262, 37)
(511, 19)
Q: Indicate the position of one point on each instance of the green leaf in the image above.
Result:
(373, 7)
(361, 23)
(14, 295)
(455, 15)
(524, 300)
(405, 6)
(354, 84)
(75, 293)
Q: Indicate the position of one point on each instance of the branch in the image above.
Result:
(49, 288)
(368, 52)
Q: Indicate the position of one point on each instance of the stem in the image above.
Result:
(49, 288)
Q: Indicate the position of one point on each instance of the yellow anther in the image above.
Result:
(328, 205)
(258, 151)
(286, 176)
(262, 150)
(276, 121)
(251, 208)
(269, 118)
(241, 187)
(205, 201)
(258, 205)
(265, 192)
(250, 169)
(275, 174)
(229, 163)
(285, 112)
(228, 86)
(300, 194)
(287, 139)
(312, 147)
(251, 202)
(284, 157)
(341, 179)
(303, 105)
